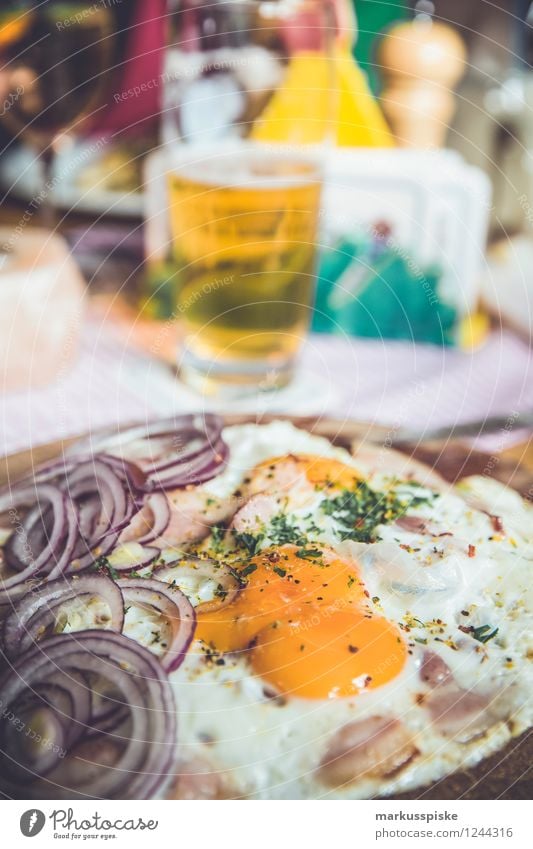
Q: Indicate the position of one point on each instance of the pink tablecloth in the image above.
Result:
(396, 383)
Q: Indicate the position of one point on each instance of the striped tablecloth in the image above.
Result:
(394, 383)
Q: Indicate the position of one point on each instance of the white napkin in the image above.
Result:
(41, 305)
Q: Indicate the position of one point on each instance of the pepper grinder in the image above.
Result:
(421, 62)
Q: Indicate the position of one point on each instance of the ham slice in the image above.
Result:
(256, 513)
(199, 780)
(193, 512)
(375, 747)
(457, 713)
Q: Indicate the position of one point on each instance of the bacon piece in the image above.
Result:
(418, 525)
(193, 513)
(434, 671)
(375, 747)
(373, 458)
(412, 523)
(256, 513)
(457, 713)
(279, 475)
(198, 780)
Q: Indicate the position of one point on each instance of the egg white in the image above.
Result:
(269, 747)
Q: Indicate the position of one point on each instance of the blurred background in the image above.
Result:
(421, 288)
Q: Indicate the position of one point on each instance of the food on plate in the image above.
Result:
(279, 618)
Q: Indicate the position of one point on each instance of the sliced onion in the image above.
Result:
(47, 535)
(217, 583)
(170, 603)
(150, 522)
(131, 556)
(130, 764)
(36, 613)
(96, 489)
(172, 453)
(157, 444)
(192, 472)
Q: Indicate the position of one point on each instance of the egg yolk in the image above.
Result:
(320, 654)
(322, 472)
(305, 619)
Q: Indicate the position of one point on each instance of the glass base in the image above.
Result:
(234, 379)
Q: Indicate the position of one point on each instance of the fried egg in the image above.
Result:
(379, 636)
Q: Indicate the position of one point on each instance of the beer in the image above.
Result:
(244, 229)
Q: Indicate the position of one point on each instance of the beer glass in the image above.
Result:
(246, 112)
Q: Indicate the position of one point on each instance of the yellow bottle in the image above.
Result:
(301, 109)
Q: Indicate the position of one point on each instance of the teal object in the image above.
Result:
(377, 292)
(372, 20)
(333, 263)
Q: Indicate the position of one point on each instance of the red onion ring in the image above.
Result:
(143, 753)
(150, 522)
(94, 481)
(171, 604)
(172, 453)
(33, 615)
(56, 541)
(192, 472)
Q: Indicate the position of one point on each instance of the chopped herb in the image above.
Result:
(218, 533)
(481, 633)
(102, 564)
(220, 592)
(279, 571)
(308, 553)
(359, 511)
(311, 527)
(282, 531)
(248, 570)
(249, 541)
(422, 640)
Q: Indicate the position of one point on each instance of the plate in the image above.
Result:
(507, 773)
